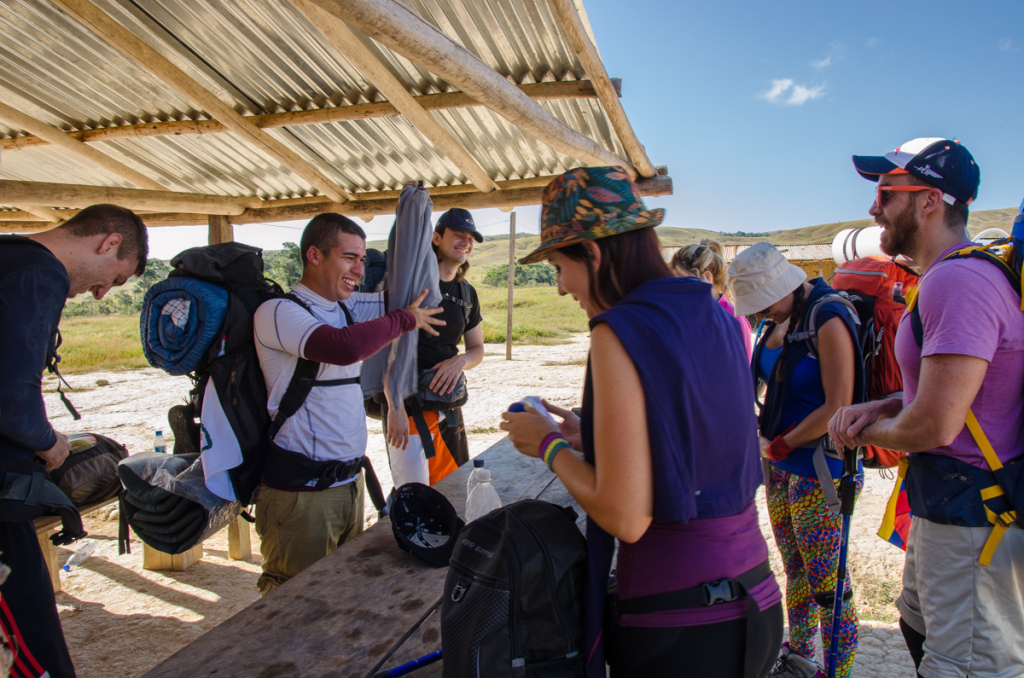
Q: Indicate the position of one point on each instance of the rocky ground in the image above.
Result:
(120, 620)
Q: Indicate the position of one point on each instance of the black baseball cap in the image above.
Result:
(945, 164)
(425, 523)
(458, 219)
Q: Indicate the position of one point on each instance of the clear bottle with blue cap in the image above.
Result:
(159, 443)
(472, 480)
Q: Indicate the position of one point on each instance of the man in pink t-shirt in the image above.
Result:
(959, 617)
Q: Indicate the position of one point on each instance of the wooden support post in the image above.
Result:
(511, 282)
(50, 557)
(220, 229)
(239, 540)
(158, 560)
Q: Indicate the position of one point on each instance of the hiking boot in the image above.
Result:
(790, 665)
(185, 429)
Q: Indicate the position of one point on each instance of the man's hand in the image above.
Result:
(398, 428)
(56, 455)
(424, 316)
(447, 376)
(847, 423)
(570, 426)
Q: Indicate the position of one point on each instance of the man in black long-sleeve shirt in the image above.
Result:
(94, 251)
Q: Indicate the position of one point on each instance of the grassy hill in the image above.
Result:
(493, 251)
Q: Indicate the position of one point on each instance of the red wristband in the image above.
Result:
(779, 450)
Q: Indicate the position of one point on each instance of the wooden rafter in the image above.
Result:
(346, 42)
(56, 136)
(505, 199)
(573, 30)
(408, 34)
(539, 91)
(146, 57)
(45, 213)
(72, 195)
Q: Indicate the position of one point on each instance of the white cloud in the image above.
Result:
(822, 63)
(871, 42)
(1007, 45)
(785, 92)
(778, 89)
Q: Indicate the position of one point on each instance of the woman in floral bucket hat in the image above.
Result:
(650, 460)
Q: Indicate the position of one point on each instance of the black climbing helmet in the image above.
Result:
(425, 523)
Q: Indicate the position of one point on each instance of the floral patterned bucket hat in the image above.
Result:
(588, 203)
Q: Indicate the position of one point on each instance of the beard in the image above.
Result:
(900, 235)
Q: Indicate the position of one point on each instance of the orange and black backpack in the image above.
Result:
(878, 288)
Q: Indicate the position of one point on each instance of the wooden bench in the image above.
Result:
(345, 613)
(239, 545)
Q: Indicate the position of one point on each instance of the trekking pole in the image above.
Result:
(409, 667)
(847, 497)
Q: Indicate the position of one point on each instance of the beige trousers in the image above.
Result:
(296, 529)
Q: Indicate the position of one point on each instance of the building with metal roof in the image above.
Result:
(244, 111)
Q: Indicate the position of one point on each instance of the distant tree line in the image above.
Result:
(745, 234)
(283, 266)
(530, 275)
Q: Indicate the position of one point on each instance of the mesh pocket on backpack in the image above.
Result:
(475, 628)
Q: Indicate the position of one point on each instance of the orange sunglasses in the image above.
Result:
(884, 189)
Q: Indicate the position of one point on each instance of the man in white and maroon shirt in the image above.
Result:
(311, 498)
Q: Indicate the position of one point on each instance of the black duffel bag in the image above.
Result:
(89, 474)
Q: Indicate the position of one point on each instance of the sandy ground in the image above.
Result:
(121, 620)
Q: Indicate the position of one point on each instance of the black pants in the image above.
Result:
(28, 609)
(711, 651)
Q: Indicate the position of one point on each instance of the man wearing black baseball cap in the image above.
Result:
(961, 352)
(441, 362)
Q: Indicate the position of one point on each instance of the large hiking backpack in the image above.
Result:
(512, 603)
(878, 287)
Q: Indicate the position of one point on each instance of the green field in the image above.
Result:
(105, 342)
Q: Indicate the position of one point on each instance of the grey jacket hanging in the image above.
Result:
(411, 268)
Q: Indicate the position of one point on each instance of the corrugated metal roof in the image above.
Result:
(263, 56)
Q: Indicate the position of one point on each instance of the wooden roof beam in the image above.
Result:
(59, 138)
(405, 32)
(538, 91)
(346, 42)
(73, 195)
(45, 213)
(574, 31)
(134, 48)
(508, 198)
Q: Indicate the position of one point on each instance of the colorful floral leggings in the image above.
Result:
(808, 538)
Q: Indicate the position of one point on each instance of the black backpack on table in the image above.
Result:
(513, 598)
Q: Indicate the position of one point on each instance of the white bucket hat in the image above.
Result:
(761, 276)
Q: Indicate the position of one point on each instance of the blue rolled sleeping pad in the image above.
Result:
(1017, 238)
(181, 318)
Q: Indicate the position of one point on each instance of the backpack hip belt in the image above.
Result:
(724, 590)
(294, 470)
(26, 496)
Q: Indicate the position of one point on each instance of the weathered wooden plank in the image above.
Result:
(343, 614)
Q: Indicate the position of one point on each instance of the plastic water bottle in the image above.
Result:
(484, 498)
(81, 555)
(159, 444)
(471, 482)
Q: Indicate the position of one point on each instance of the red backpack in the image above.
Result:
(878, 287)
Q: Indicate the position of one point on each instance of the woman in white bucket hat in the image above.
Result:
(804, 389)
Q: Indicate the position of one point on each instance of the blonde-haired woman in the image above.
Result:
(706, 260)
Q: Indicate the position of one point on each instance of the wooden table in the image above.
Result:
(343, 614)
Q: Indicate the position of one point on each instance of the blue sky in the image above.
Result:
(756, 107)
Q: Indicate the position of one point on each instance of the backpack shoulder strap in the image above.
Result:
(810, 324)
(304, 378)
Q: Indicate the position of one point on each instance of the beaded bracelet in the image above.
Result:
(552, 444)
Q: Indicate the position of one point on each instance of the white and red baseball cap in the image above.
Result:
(945, 164)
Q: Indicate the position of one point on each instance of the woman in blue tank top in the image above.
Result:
(669, 461)
(804, 389)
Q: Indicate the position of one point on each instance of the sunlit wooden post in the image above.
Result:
(511, 280)
(220, 229)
